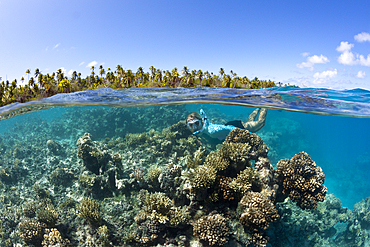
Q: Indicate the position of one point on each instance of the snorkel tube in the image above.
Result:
(204, 119)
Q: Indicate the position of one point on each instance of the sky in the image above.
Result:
(312, 43)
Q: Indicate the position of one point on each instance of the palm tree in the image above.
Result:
(200, 76)
(158, 76)
(101, 72)
(128, 78)
(175, 77)
(37, 72)
(153, 72)
(28, 72)
(185, 71)
(222, 72)
(140, 75)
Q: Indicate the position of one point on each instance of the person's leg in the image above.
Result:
(253, 115)
(255, 125)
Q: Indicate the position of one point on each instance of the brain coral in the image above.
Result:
(212, 229)
(302, 180)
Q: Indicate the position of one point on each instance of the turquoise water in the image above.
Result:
(37, 139)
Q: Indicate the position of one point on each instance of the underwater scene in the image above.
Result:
(187, 167)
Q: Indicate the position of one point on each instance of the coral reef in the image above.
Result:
(140, 184)
(244, 181)
(61, 176)
(52, 237)
(257, 211)
(302, 180)
(202, 177)
(89, 210)
(29, 209)
(47, 213)
(326, 224)
(169, 178)
(222, 187)
(31, 231)
(212, 229)
(257, 147)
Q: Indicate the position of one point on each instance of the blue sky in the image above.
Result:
(305, 43)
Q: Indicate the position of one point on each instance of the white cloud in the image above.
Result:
(344, 46)
(364, 61)
(70, 72)
(311, 61)
(93, 63)
(324, 76)
(361, 74)
(362, 37)
(81, 63)
(347, 58)
(56, 46)
(305, 54)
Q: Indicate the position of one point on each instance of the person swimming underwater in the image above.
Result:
(198, 123)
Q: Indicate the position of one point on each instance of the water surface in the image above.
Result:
(331, 126)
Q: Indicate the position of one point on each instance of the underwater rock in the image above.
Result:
(29, 209)
(62, 176)
(6, 175)
(169, 179)
(102, 168)
(94, 158)
(302, 180)
(212, 229)
(54, 147)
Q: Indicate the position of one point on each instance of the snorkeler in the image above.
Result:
(198, 123)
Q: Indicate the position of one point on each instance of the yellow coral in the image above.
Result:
(89, 210)
(202, 177)
(243, 182)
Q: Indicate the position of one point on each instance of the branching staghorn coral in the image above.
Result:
(89, 210)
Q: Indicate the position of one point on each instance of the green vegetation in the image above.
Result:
(41, 85)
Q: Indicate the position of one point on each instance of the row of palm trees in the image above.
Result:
(45, 85)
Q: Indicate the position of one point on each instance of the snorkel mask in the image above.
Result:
(193, 122)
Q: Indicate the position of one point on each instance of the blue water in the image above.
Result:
(332, 126)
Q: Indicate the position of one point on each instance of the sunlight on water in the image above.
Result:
(140, 164)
